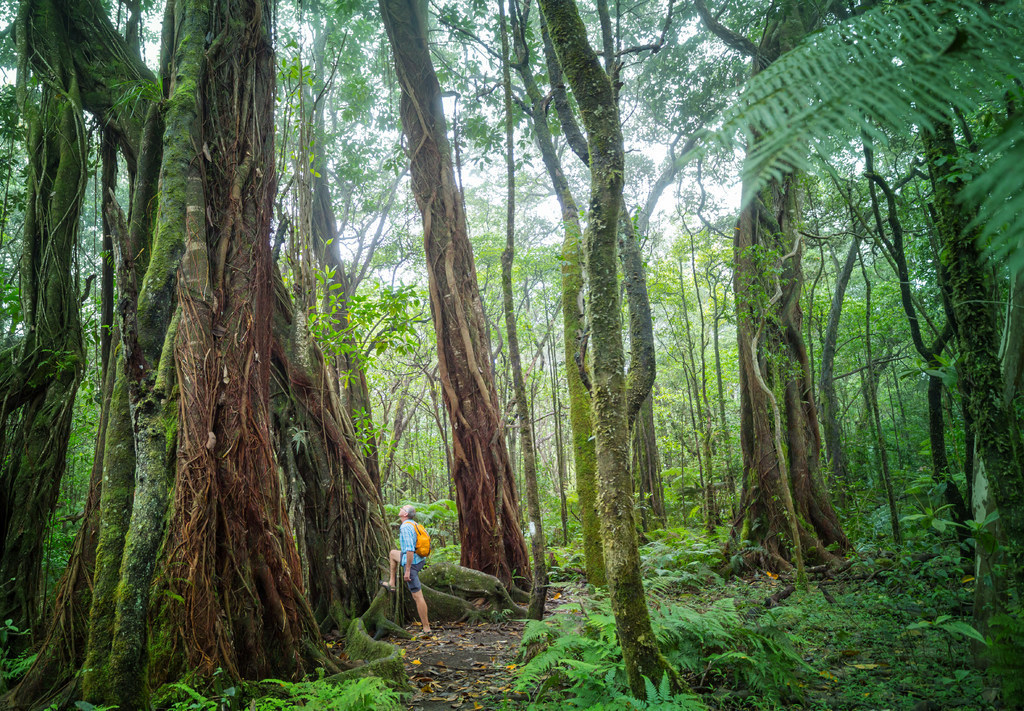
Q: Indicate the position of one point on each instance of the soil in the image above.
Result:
(462, 665)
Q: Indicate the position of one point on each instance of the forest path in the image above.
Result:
(463, 665)
(466, 665)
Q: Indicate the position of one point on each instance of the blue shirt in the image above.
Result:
(407, 542)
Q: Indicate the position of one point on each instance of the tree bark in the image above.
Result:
(767, 230)
(836, 457)
(573, 323)
(540, 575)
(594, 94)
(871, 400)
(39, 376)
(997, 432)
(481, 467)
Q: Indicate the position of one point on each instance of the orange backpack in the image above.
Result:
(422, 539)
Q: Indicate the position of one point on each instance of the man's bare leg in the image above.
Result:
(421, 608)
(393, 560)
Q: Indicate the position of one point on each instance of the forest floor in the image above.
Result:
(887, 636)
(472, 666)
(462, 665)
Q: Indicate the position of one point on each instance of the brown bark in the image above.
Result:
(540, 575)
(39, 376)
(481, 467)
(836, 456)
(768, 230)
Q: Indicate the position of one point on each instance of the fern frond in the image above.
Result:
(897, 66)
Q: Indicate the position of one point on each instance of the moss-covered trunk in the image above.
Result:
(768, 279)
(481, 468)
(997, 431)
(584, 457)
(39, 376)
(594, 94)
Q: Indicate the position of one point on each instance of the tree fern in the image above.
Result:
(896, 66)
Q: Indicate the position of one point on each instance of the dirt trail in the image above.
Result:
(463, 665)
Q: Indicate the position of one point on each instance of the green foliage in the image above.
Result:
(1006, 652)
(366, 324)
(581, 659)
(896, 66)
(363, 694)
(12, 667)
(678, 559)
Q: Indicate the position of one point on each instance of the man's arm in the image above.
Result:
(408, 565)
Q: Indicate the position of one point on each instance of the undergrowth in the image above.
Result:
(364, 694)
(579, 662)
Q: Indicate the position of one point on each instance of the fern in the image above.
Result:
(583, 662)
(894, 67)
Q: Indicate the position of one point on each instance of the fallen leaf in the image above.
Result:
(416, 661)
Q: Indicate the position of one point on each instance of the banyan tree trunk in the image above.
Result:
(338, 512)
(766, 231)
(39, 376)
(492, 541)
(768, 315)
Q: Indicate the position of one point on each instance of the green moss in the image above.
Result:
(382, 659)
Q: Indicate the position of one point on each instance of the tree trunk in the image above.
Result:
(997, 432)
(838, 472)
(647, 462)
(481, 467)
(39, 376)
(768, 229)
(871, 401)
(573, 325)
(556, 409)
(930, 354)
(594, 94)
(540, 575)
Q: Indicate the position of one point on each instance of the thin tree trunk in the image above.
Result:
(573, 323)
(556, 408)
(838, 471)
(540, 575)
(871, 400)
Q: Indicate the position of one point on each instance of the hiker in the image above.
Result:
(410, 561)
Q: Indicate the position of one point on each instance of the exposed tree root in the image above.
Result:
(381, 659)
(453, 594)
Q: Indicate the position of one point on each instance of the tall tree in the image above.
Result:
(574, 338)
(214, 581)
(39, 376)
(488, 505)
(594, 93)
(539, 591)
(767, 240)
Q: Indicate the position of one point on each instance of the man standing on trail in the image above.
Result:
(411, 563)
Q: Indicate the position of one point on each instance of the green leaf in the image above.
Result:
(958, 627)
